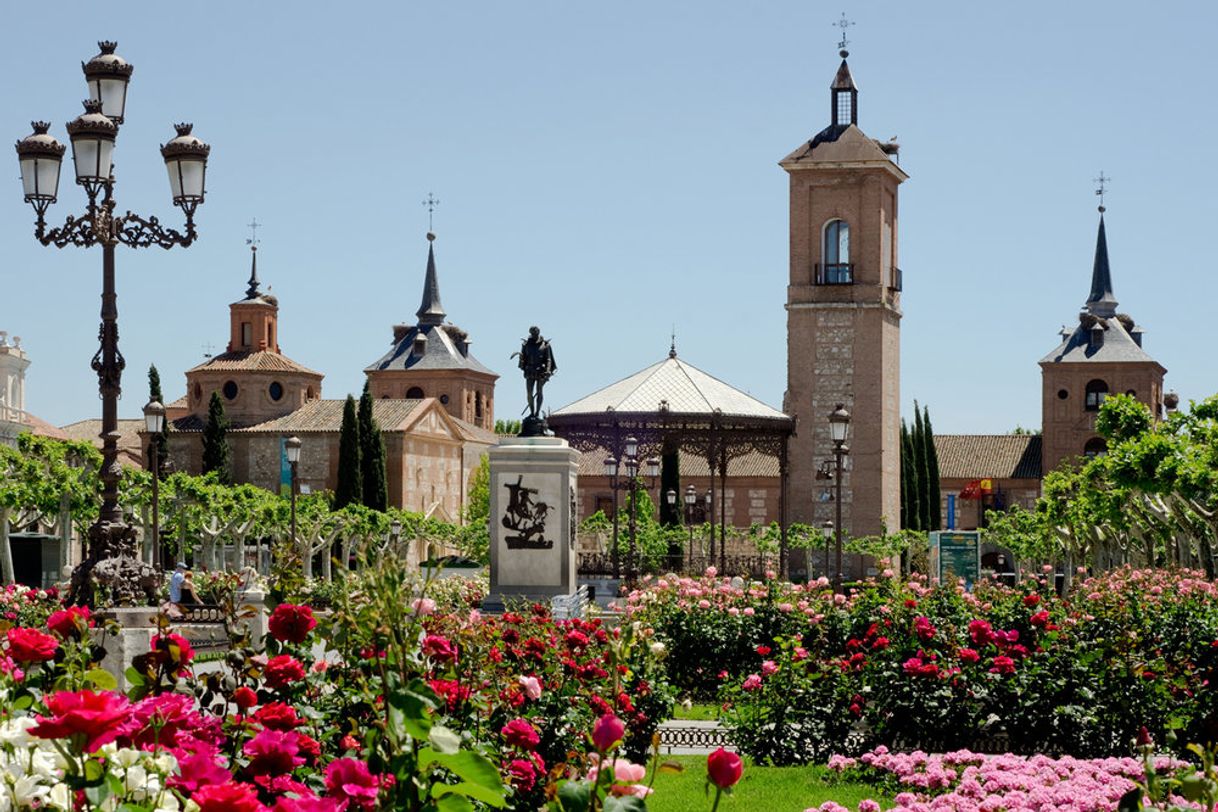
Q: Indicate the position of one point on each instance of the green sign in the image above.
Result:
(956, 554)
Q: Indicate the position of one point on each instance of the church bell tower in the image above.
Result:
(844, 318)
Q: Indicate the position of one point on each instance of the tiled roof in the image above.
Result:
(44, 429)
(476, 434)
(88, 430)
(752, 464)
(259, 361)
(687, 390)
(327, 415)
(981, 456)
(439, 351)
(1117, 345)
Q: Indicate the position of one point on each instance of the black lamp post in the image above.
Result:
(292, 449)
(111, 563)
(710, 518)
(691, 500)
(670, 497)
(839, 428)
(154, 424)
(826, 530)
(630, 459)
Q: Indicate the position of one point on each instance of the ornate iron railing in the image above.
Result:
(753, 566)
(692, 737)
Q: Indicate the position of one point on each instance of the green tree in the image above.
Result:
(372, 455)
(350, 466)
(934, 515)
(474, 540)
(920, 462)
(162, 439)
(670, 480)
(909, 480)
(216, 451)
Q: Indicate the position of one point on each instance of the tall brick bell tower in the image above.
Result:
(844, 318)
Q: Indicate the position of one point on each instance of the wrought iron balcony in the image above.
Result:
(835, 273)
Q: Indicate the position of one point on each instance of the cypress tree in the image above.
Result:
(919, 463)
(908, 488)
(372, 455)
(215, 440)
(350, 470)
(932, 473)
(162, 439)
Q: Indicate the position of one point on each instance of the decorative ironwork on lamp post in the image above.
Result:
(154, 424)
(111, 569)
(632, 486)
(839, 428)
(826, 530)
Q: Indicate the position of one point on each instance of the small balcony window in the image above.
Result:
(1096, 391)
(836, 268)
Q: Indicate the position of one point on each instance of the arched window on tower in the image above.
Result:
(1096, 390)
(835, 267)
(414, 393)
(1095, 447)
(478, 406)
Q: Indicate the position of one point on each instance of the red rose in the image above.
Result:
(438, 648)
(31, 645)
(723, 769)
(879, 644)
(278, 716)
(520, 775)
(227, 797)
(95, 718)
(968, 655)
(519, 733)
(273, 752)
(175, 648)
(763, 650)
(283, 670)
(349, 780)
(65, 621)
(290, 623)
(1002, 665)
(607, 732)
(1041, 618)
(198, 770)
(1031, 600)
(245, 698)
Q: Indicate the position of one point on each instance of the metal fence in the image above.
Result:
(755, 567)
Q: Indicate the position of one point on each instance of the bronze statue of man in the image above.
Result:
(537, 363)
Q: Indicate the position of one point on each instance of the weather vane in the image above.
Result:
(431, 204)
(1102, 180)
(253, 241)
(843, 24)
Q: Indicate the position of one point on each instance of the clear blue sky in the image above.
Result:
(609, 170)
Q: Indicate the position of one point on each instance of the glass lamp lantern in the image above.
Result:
(610, 466)
(154, 417)
(186, 160)
(92, 135)
(839, 423)
(653, 467)
(41, 158)
(292, 449)
(671, 496)
(826, 529)
(691, 496)
(632, 447)
(107, 75)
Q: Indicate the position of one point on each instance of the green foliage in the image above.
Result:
(350, 459)
(216, 450)
(920, 508)
(933, 498)
(372, 456)
(911, 482)
(507, 426)
(474, 540)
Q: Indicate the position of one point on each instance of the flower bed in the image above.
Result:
(970, 782)
(800, 670)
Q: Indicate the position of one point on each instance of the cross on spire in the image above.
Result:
(252, 291)
(431, 204)
(1102, 181)
(253, 240)
(843, 24)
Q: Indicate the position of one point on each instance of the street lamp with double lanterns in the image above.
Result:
(826, 530)
(691, 501)
(111, 571)
(154, 424)
(630, 460)
(839, 429)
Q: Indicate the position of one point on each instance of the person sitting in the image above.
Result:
(188, 588)
(175, 583)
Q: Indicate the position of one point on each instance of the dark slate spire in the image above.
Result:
(1101, 302)
(252, 291)
(845, 97)
(431, 311)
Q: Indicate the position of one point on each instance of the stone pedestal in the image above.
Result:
(135, 638)
(533, 519)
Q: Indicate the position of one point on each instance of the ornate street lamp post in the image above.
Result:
(839, 428)
(631, 484)
(691, 500)
(826, 530)
(111, 565)
(710, 520)
(292, 449)
(154, 424)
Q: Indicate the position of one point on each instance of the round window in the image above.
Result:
(444, 399)
(230, 389)
(276, 390)
(1062, 394)
(414, 393)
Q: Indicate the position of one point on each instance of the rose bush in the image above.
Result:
(802, 672)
